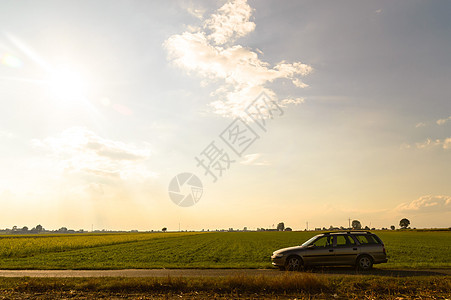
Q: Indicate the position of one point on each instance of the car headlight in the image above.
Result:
(278, 255)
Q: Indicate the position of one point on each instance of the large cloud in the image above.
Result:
(81, 151)
(427, 203)
(209, 52)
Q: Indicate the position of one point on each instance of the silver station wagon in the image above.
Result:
(361, 249)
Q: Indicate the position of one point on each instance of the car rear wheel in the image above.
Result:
(364, 263)
(294, 263)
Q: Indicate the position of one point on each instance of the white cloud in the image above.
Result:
(289, 101)
(428, 144)
(421, 124)
(427, 203)
(447, 144)
(254, 159)
(208, 52)
(299, 83)
(443, 121)
(231, 21)
(195, 11)
(193, 8)
(437, 143)
(80, 151)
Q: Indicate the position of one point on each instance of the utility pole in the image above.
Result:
(349, 221)
(307, 225)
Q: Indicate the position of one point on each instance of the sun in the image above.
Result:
(67, 83)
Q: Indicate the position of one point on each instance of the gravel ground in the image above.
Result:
(213, 272)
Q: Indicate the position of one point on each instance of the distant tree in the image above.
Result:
(14, 228)
(39, 228)
(367, 228)
(356, 225)
(280, 226)
(164, 229)
(392, 227)
(288, 229)
(25, 229)
(62, 229)
(404, 223)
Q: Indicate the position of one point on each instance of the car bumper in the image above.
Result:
(278, 262)
(381, 261)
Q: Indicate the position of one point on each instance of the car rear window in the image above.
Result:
(366, 239)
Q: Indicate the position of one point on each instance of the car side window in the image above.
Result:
(342, 241)
(351, 240)
(324, 241)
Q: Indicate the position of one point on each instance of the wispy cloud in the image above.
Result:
(421, 124)
(193, 9)
(443, 121)
(255, 159)
(427, 203)
(288, 101)
(210, 53)
(437, 143)
(81, 151)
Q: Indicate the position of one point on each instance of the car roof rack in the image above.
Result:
(347, 231)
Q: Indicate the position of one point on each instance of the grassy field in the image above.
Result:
(284, 286)
(406, 249)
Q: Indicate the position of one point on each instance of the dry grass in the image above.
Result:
(301, 285)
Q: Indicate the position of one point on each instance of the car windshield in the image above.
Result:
(310, 241)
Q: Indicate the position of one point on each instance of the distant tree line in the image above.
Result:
(355, 225)
(38, 229)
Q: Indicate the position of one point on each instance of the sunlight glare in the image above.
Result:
(68, 84)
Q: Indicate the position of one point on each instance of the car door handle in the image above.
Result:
(354, 248)
(331, 250)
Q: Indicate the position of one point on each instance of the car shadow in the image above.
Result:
(378, 272)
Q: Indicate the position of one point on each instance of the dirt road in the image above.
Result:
(213, 272)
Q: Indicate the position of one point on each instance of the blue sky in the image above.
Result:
(104, 103)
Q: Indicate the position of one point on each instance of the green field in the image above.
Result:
(407, 249)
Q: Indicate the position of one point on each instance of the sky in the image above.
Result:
(341, 109)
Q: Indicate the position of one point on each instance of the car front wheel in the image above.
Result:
(364, 263)
(294, 263)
